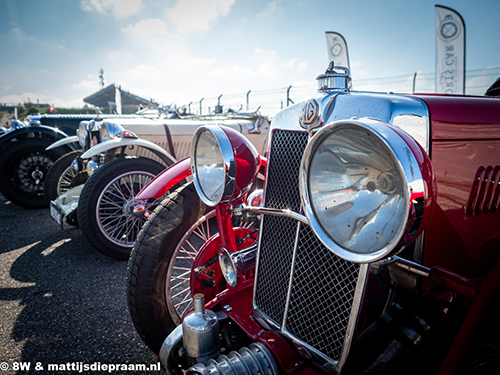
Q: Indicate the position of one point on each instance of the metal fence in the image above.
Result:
(271, 101)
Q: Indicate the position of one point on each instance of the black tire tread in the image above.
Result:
(149, 261)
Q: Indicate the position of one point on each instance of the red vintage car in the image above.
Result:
(373, 247)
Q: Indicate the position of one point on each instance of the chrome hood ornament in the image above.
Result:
(336, 79)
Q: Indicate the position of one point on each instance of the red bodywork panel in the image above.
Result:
(166, 180)
(464, 232)
(240, 299)
(247, 163)
(463, 117)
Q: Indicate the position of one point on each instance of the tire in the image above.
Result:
(173, 242)
(60, 176)
(106, 202)
(153, 258)
(23, 169)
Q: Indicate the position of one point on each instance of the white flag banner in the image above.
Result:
(118, 101)
(337, 49)
(450, 51)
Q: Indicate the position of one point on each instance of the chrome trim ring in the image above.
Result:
(228, 185)
(412, 185)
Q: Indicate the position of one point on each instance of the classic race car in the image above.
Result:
(70, 169)
(373, 249)
(95, 188)
(26, 160)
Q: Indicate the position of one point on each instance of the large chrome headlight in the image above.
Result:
(367, 188)
(223, 163)
(81, 132)
(110, 130)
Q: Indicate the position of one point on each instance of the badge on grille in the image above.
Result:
(309, 115)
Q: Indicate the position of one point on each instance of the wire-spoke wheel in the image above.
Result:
(179, 236)
(60, 176)
(23, 169)
(115, 207)
(178, 282)
(108, 214)
(177, 289)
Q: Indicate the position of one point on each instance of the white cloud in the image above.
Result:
(88, 84)
(18, 36)
(190, 15)
(180, 77)
(302, 67)
(270, 9)
(113, 55)
(147, 29)
(117, 8)
(41, 98)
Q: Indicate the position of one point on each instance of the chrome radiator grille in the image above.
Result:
(291, 258)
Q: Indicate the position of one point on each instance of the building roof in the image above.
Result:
(106, 97)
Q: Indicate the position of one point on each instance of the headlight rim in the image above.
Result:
(399, 149)
(229, 161)
(82, 137)
(113, 130)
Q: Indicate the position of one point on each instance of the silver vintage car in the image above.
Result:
(95, 188)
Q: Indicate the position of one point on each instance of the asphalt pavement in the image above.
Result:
(63, 305)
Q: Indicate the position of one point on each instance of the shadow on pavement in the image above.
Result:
(61, 302)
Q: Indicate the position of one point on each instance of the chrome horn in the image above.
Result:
(237, 263)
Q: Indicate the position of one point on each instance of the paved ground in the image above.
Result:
(61, 302)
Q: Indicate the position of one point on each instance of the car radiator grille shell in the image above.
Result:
(301, 288)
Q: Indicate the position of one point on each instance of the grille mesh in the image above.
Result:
(276, 254)
(282, 189)
(278, 238)
(322, 294)
(323, 285)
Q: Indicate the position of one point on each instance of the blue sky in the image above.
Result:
(179, 51)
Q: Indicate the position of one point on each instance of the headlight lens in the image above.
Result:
(110, 130)
(223, 163)
(362, 187)
(210, 166)
(82, 132)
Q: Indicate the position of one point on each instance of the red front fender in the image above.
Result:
(166, 180)
(172, 176)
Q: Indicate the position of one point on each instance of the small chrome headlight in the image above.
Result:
(110, 130)
(223, 163)
(81, 132)
(363, 189)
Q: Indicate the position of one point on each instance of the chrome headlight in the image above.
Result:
(110, 130)
(81, 132)
(367, 188)
(223, 163)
